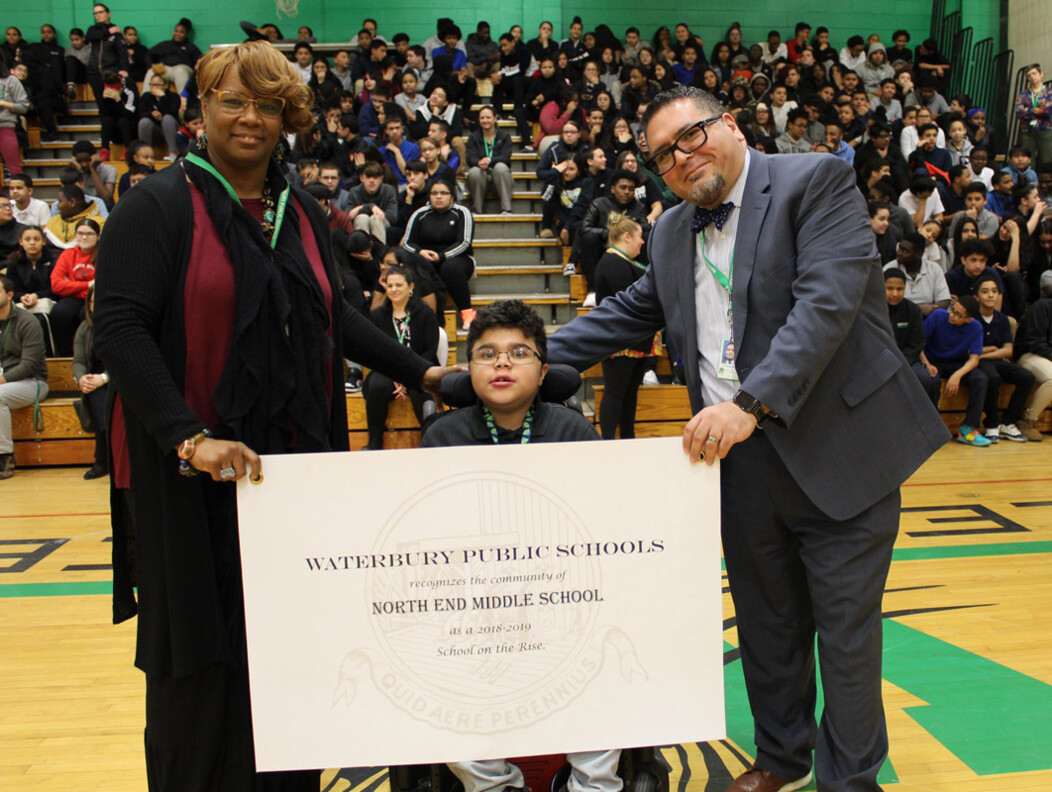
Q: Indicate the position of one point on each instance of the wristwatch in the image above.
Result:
(750, 404)
(186, 449)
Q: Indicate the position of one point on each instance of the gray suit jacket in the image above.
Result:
(811, 330)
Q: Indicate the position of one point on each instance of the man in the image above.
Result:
(29, 211)
(451, 47)
(303, 56)
(509, 79)
(999, 199)
(47, 69)
(817, 363)
(928, 158)
(975, 208)
(952, 195)
(137, 57)
(374, 205)
(99, 177)
(341, 69)
(835, 141)
(795, 48)
(483, 53)
(416, 59)
(329, 175)
(924, 282)
(885, 99)
(794, 140)
(398, 151)
(73, 206)
(23, 371)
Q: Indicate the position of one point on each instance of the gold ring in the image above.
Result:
(257, 479)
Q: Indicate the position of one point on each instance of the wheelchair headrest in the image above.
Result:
(560, 383)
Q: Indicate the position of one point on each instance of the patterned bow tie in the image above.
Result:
(702, 217)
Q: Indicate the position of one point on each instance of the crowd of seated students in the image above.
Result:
(399, 152)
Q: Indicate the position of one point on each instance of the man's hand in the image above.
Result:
(714, 430)
(378, 213)
(953, 384)
(94, 162)
(932, 370)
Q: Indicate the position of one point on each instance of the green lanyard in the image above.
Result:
(283, 199)
(627, 257)
(527, 426)
(723, 280)
(488, 146)
(401, 328)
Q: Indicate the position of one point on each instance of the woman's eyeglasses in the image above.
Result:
(236, 103)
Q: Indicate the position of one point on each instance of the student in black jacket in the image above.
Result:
(442, 232)
(488, 158)
(159, 113)
(411, 324)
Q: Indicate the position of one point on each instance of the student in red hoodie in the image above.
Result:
(73, 273)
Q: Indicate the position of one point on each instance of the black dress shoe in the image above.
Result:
(94, 472)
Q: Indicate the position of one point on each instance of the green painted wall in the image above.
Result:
(334, 20)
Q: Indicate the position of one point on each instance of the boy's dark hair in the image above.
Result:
(975, 187)
(1019, 150)
(623, 173)
(25, 178)
(138, 169)
(415, 166)
(956, 172)
(70, 175)
(372, 169)
(305, 163)
(327, 165)
(986, 276)
(318, 191)
(925, 127)
(441, 123)
(399, 37)
(875, 206)
(191, 114)
(898, 33)
(83, 147)
(894, 272)
(916, 239)
(968, 303)
(359, 241)
(7, 284)
(920, 183)
(632, 30)
(72, 192)
(349, 121)
(982, 247)
(856, 41)
(1021, 191)
(511, 314)
(302, 45)
(418, 50)
(796, 114)
(76, 32)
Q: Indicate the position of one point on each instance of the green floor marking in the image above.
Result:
(739, 717)
(79, 588)
(971, 551)
(992, 718)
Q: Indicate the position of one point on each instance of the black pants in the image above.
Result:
(117, 127)
(455, 273)
(587, 249)
(795, 572)
(1015, 294)
(97, 404)
(932, 385)
(66, 316)
(199, 736)
(378, 390)
(508, 91)
(622, 377)
(976, 383)
(998, 371)
(525, 115)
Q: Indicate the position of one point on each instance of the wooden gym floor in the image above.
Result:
(967, 658)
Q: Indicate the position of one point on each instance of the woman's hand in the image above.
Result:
(400, 392)
(211, 456)
(29, 300)
(433, 377)
(430, 255)
(89, 382)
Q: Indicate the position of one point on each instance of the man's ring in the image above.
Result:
(227, 473)
(713, 439)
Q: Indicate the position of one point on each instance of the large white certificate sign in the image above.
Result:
(419, 606)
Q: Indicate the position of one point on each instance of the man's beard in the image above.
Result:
(706, 192)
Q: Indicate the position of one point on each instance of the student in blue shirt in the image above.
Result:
(1019, 165)
(975, 253)
(999, 199)
(398, 151)
(451, 37)
(952, 350)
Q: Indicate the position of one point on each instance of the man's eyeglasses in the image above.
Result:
(956, 311)
(689, 140)
(520, 355)
(235, 103)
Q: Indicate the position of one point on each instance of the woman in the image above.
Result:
(118, 115)
(407, 320)
(684, 37)
(558, 202)
(610, 73)
(979, 131)
(72, 274)
(1011, 259)
(179, 55)
(488, 158)
(93, 381)
(664, 76)
(139, 152)
(762, 123)
(966, 229)
(734, 40)
(323, 83)
(879, 217)
(224, 332)
(721, 63)
(623, 372)
(430, 153)
(709, 81)
(427, 286)
(663, 45)
(442, 234)
(13, 104)
(159, 114)
(618, 138)
(542, 47)
(554, 115)
(29, 269)
(1033, 108)
(958, 144)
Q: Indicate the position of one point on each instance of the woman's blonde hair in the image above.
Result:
(618, 225)
(265, 72)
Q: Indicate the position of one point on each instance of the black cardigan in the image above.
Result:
(189, 582)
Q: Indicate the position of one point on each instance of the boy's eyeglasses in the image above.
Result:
(518, 355)
(235, 103)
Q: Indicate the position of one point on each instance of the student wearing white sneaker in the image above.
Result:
(996, 363)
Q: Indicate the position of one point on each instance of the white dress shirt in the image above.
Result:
(711, 300)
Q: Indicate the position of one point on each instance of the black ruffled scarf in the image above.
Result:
(272, 393)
